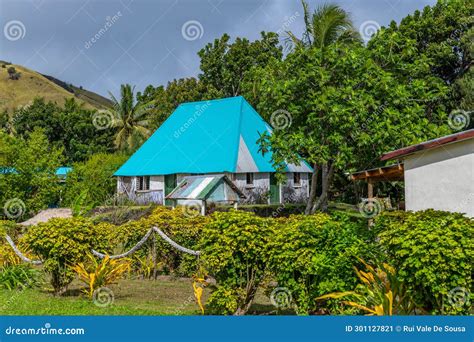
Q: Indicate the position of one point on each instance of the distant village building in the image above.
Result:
(439, 174)
(217, 137)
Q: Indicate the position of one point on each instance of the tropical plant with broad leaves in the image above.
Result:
(101, 273)
(328, 24)
(19, 276)
(130, 119)
(380, 292)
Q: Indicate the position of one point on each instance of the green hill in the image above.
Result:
(15, 93)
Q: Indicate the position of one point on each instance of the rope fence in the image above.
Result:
(118, 256)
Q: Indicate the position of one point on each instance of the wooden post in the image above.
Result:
(203, 208)
(236, 205)
(370, 189)
(370, 197)
(154, 256)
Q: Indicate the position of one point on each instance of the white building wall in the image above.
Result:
(441, 178)
(288, 191)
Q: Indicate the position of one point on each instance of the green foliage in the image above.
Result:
(167, 99)
(19, 276)
(327, 25)
(90, 183)
(225, 66)
(70, 128)
(433, 252)
(32, 182)
(380, 292)
(223, 301)
(313, 255)
(233, 249)
(98, 273)
(62, 243)
(130, 119)
(182, 228)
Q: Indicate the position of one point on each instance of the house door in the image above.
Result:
(274, 190)
(170, 184)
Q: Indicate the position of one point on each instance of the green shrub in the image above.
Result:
(62, 243)
(314, 255)
(233, 248)
(18, 276)
(181, 227)
(433, 251)
(90, 184)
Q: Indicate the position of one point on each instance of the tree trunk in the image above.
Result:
(322, 202)
(314, 187)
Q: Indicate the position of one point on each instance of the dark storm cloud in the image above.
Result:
(102, 44)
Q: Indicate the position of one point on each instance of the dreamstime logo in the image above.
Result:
(200, 110)
(281, 297)
(281, 119)
(191, 210)
(14, 30)
(459, 119)
(103, 297)
(370, 207)
(192, 30)
(458, 297)
(109, 22)
(368, 28)
(14, 208)
(103, 120)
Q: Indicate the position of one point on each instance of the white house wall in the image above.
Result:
(288, 192)
(441, 179)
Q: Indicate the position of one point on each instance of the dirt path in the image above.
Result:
(46, 215)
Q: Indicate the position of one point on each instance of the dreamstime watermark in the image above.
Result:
(192, 30)
(14, 30)
(14, 208)
(368, 28)
(281, 297)
(370, 207)
(199, 110)
(459, 297)
(46, 330)
(103, 297)
(103, 119)
(459, 119)
(288, 21)
(109, 22)
(281, 119)
(191, 210)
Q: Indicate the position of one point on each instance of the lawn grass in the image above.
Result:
(165, 296)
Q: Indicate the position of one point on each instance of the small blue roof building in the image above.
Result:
(210, 137)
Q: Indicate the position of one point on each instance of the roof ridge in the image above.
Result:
(213, 100)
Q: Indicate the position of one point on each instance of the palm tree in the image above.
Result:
(328, 24)
(130, 119)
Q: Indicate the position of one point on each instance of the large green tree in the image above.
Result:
(167, 99)
(432, 44)
(28, 180)
(225, 66)
(345, 111)
(70, 127)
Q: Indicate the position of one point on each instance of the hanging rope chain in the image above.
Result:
(20, 254)
(118, 256)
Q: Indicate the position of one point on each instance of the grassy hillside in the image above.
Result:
(31, 84)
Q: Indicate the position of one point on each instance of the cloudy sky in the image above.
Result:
(101, 44)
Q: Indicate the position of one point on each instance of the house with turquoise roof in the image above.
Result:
(216, 137)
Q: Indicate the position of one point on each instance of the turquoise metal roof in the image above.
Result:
(214, 136)
(63, 171)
